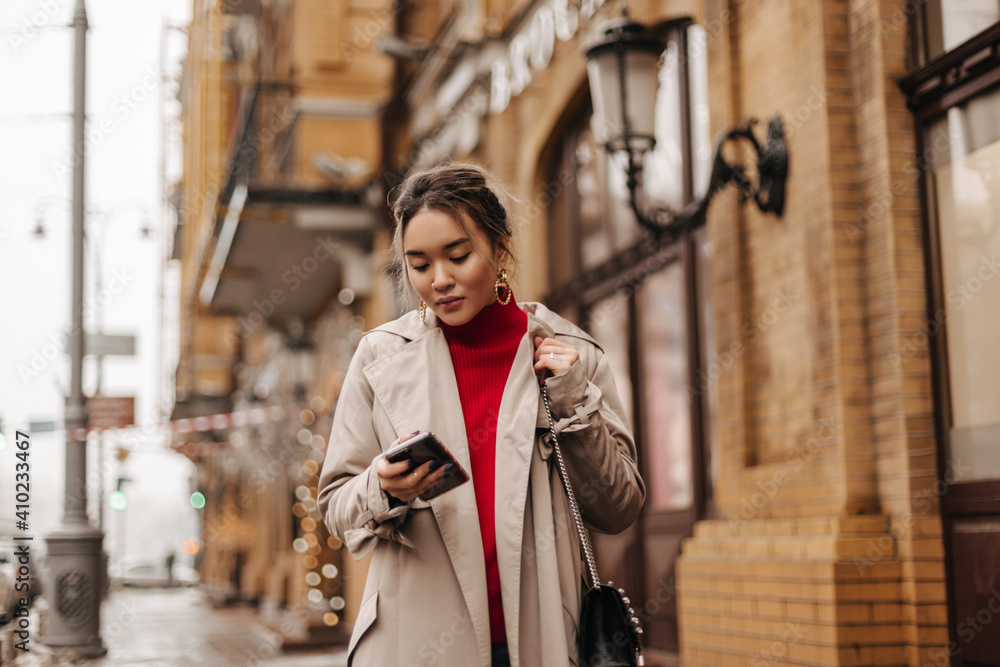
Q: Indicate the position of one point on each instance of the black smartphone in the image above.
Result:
(425, 447)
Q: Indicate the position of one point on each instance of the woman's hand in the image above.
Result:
(554, 356)
(403, 482)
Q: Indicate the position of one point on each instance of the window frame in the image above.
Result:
(950, 80)
(932, 87)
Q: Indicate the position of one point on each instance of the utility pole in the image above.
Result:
(75, 578)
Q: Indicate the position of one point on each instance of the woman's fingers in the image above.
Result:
(431, 479)
(387, 471)
(392, 477)
(405, 483)
(554, 356)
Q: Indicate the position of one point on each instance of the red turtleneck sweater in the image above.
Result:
(482, 352)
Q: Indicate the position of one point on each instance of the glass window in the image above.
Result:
(607, 224)
(662, 311)
(949, 23)
(705, 384)
(681, 128)
(562, 231)
(608, 322)
(965, 182)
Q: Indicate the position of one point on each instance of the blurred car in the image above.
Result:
(152, 574)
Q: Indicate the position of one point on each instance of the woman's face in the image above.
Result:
(454, 280)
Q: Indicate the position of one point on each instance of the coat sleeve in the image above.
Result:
(355, 508)
(597, 443)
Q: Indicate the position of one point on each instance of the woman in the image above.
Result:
(488, 573)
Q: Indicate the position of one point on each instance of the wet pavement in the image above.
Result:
(168, 627)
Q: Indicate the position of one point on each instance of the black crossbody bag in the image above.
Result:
(609, 631)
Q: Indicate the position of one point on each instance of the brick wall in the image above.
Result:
(789, 594)
(827, 546)
(887, 226)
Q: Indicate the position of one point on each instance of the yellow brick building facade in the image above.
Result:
(278, 215)
(815, 496)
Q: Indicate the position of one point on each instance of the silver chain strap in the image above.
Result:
(588, 549)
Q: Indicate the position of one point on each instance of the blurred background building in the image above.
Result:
(814, 396)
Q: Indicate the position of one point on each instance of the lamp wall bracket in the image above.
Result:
(768, 192)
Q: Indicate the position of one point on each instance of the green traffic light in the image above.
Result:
(197, 500)
(117, 500)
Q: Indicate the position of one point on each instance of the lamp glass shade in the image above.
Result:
(605, 93)
(641, 54)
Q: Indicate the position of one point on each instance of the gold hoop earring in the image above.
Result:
(502, 285)
(423, 311)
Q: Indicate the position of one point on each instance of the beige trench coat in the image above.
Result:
(425, 600)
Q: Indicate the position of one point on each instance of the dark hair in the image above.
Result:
(467, 192)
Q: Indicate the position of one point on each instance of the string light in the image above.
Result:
(315, 543)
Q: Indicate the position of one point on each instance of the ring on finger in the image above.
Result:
(552, 355)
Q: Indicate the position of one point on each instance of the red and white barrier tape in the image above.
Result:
(199, 424)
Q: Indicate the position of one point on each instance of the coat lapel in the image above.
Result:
(417, 389)
(516, 426)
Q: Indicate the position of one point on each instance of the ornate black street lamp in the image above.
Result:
(623, 71)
